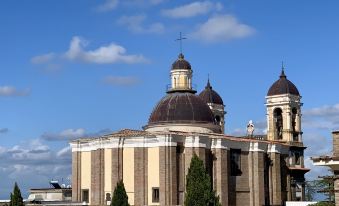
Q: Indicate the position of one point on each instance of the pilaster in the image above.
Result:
(140, 176)
(276, 179)
(76, 176)
(97, 177)
(257, 193)
(117, 166)
(168, 176)
(220, 182)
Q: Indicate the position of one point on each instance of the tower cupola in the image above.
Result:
(181, 109)
(181, 76)
(283, 86)
(215, 103)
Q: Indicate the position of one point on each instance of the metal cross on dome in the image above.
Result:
(180, 39)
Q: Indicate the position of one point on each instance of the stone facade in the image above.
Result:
(264, 176)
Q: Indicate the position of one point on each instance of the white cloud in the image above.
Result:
(238, 132)
(221, 28)
(109, 54)
(192, 9)
(64, 152)
(65, 135)
(31, 164)
(47, 62)
(3, 130)
(108, 5)
(155, 2)
(10, 91)
(324, 117)
(136, 24)
(121, 80)
(71, 134)
(44, 58)
(324, 111)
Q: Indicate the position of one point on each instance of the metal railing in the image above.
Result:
(170, 87)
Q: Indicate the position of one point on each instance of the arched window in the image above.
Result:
(294, 116)
(294, 123)
(108, 197)
(218, 119)
(278, 123)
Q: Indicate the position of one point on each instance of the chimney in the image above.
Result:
(335, 135)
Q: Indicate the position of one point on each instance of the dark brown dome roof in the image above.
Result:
(181, 63)
(181, 108)
(283, 86)
(208, 95)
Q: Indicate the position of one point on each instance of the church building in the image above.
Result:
(153, 162)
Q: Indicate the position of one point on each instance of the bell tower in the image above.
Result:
(284, 111)
(215, 103)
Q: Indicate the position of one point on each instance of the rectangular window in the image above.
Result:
(155, 194)
(297, 158)
(85, 196)
(235, 155)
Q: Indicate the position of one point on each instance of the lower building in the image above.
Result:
(56, 194)
(333, 163)
(153, 162)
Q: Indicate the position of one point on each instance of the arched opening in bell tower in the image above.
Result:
(278, 120)
(294, 124)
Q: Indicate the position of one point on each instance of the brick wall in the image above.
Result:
(140, 176)
(117, 163)
(97, 177)
(76, 176)
(335, 143)
(168, 176)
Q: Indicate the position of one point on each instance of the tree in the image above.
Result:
(16, 198)
(120, 197)
(326, 186)
(323, 204)
(323, 185)
(310, 190)
(198, 186)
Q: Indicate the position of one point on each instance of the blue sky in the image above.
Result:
(82, 67)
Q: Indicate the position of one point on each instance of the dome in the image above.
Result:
(181, 108)
(208, 95)
(181, 63)
(283, 86)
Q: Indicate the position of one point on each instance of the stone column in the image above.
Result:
(97, 177)
(221, 174)
(188, 157)
(168, 175)
(335, 143)
(256, 178)
(76, 176)
(201, 153)
(117, 166)
(181, 174)
(276, 178)
(140, 176)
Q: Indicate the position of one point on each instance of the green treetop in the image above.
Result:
(120, 197)
(16, 198)
(198, 186)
